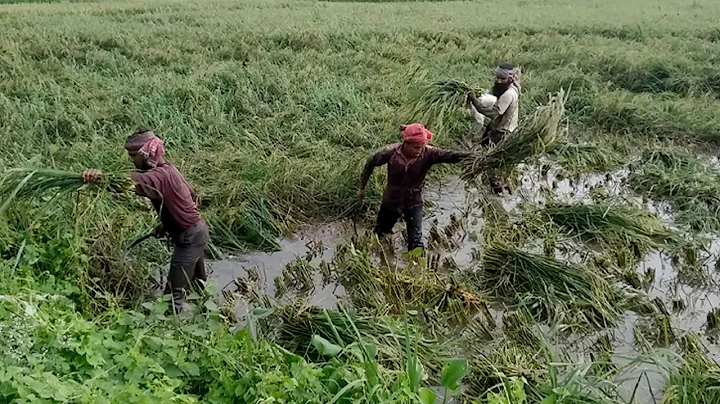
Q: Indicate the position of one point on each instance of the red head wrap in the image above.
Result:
(416, 133)
(148, 145)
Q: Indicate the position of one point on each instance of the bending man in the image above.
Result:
(407, 163)
(173, 199)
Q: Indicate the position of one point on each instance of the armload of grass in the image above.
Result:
(683, 181)
(439, 101)
(535, 135)
(551, 289)
(299, 322)
(251, 223)
(28, 183)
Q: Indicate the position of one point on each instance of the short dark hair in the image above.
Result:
(506, 66)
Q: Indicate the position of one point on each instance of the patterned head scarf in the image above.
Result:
(148, 145)
(508, 71)
(416, 133)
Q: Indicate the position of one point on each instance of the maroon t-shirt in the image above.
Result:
(171, 195)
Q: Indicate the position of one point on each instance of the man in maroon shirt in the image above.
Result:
(408, 164)
(173, 199)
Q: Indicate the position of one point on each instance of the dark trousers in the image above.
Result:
(187, 265)
(491, 136)
(413, 216)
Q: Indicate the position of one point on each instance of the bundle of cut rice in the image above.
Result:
(536, 134)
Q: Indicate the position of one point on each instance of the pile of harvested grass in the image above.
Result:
(550, 288)
(299, 322)
(535, 135)
(612, 225)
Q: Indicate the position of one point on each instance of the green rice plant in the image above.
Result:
(605, 221)
(697, 380)
(683, 181)
(625, 232)
(536, 134)
(550, 288)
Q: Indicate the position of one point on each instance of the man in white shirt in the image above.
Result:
(504, 114)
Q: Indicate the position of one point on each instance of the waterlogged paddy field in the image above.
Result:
(269, 108)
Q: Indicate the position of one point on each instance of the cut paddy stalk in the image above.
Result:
(251, 223)
(439, 101)
(536, 134)
(550, 288)
(627, 233)
(39, 183)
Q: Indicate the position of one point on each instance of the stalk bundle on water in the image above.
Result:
(551, 286)
(608, 223)
(536, 134)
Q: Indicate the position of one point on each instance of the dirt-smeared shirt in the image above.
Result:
(406, 176)
(171, 195)
(504, 114)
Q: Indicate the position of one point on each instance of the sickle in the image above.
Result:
(136, 242)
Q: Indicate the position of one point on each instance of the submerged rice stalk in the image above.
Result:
(396, 290)
(688, 185)
(612, 225)
(587, 158)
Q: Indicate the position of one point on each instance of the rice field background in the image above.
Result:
(269, 108)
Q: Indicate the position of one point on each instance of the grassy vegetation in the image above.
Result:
(269, 109)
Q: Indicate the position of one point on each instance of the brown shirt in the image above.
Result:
(406, 176)
(171, 195)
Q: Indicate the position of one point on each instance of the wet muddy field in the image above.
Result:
(450, 202)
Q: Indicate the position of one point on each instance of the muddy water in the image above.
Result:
(535, 184)
(445, 200)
